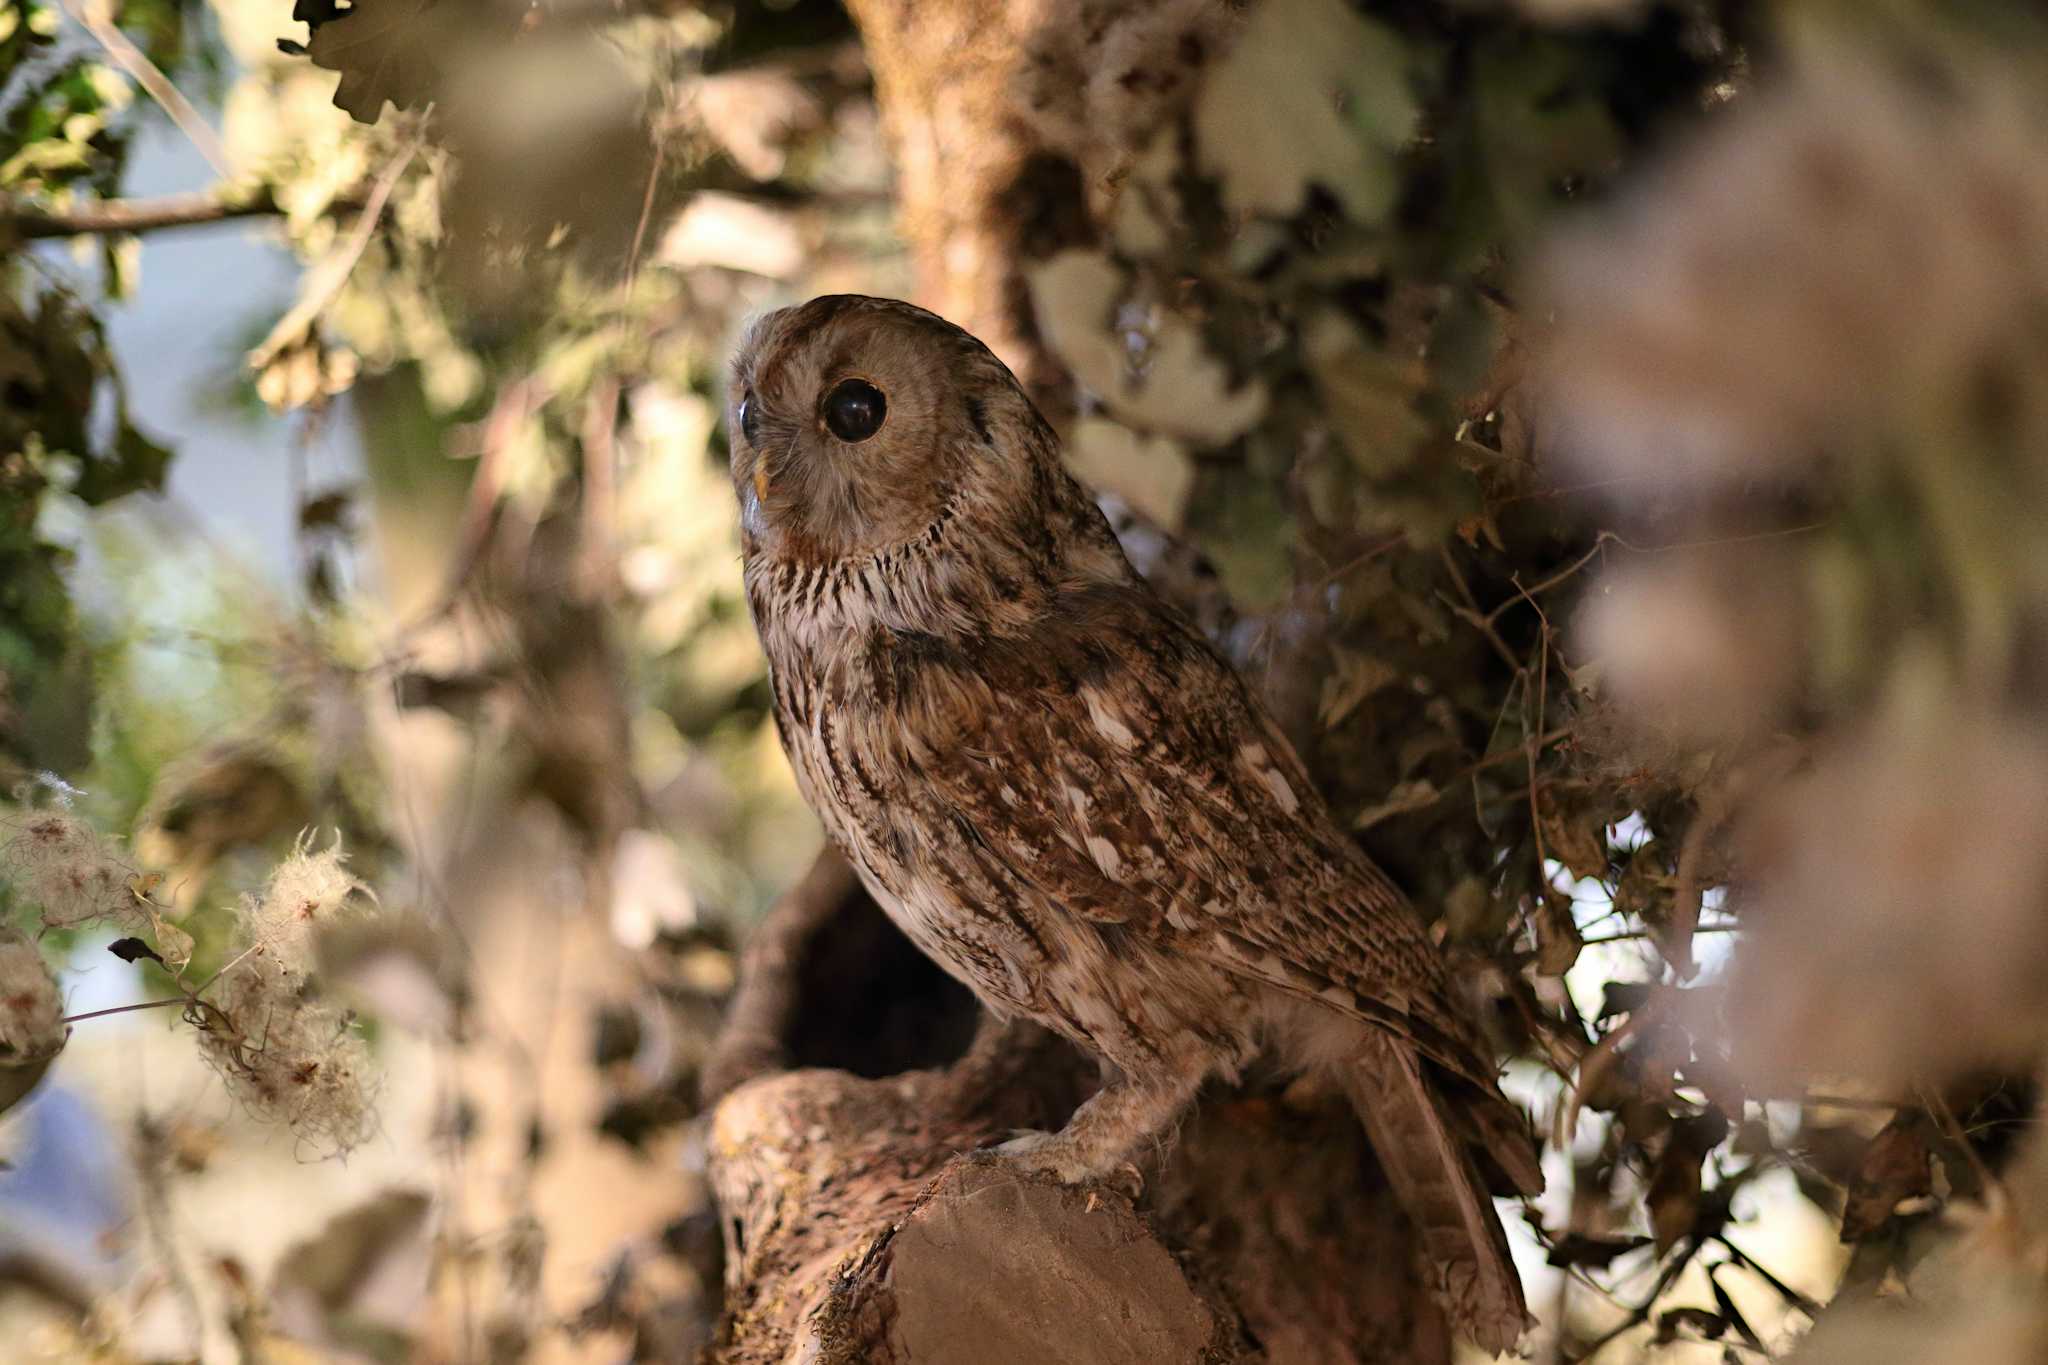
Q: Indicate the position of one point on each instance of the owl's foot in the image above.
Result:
(1097, 1142)
(1052, 1154)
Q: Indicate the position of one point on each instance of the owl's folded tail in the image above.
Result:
(1435, 1175)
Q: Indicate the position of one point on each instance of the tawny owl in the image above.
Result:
(1059, 790)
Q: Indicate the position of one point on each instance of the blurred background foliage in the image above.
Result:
(1608, 431)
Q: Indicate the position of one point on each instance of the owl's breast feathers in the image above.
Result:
(1103, 773)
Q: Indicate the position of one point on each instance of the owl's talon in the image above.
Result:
(1022, 1141)
(1044, 1154)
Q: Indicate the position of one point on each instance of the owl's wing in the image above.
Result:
(1125, 772)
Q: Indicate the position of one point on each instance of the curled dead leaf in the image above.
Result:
(1896, 1166)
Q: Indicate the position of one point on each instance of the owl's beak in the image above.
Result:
(761, 479)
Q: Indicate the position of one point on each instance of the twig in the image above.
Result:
(137, 64)
(151, 1158)
(1606, 538)
(330, 275)
(1715, 809)
(1639, 1316)
(198, 208)
(1637, 934)
(517, 400)
(1571, 490)
(1532, 749)
(226, 967)
(1472, 616)
(1494, 760)
(124, 1009)
(1822, 1100)
(1530, 595)
(1365, 556)
(1596, 1063)
(646, 211)
(1706, 541)
(1748, 1262)
(1264, 638)
(189, 1000)
(1992, 1190)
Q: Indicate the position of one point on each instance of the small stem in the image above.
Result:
(123, 1009)
(646, 211)
(1634, 934)
(228, 967)
(137, 64)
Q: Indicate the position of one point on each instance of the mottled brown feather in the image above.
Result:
(1063, 794)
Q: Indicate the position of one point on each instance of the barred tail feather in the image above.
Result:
(1436, 1180)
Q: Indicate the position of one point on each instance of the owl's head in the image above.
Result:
(856, 424)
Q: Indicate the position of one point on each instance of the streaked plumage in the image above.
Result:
(1060, 791)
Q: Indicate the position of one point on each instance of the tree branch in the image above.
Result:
(193, 209)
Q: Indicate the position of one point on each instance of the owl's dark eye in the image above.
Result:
(855, 410)
(749, 420)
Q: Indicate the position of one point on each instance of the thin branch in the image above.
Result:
(1748, 538)
(1822, 1100)
(1640, 1315)
(1532, 746)
(1530, 595)
(1365, 556)
(1471, 615)
(1606, 538)
(1992, 1190)
(146, 74)
(646, 211)
(125, 1009)
(227, 967)
(331, 274)
(1500, 756)
(1802, 1302)
(151, 1159)
(517, 400)
(198, 208)
(1264, 638)
(1637, 935)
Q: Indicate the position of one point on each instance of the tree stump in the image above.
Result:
(863, 1222)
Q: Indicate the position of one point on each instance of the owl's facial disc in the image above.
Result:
(846, 424)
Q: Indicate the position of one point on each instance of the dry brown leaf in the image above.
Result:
(1895, 1166)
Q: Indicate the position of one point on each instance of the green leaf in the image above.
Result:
(1243, 527)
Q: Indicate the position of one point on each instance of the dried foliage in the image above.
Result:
(289, 1055)
(1846, 660)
